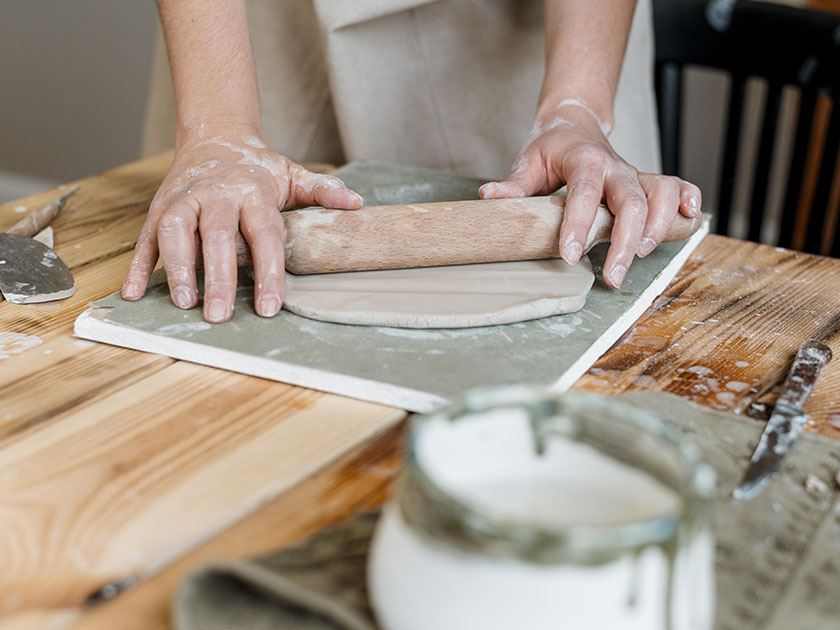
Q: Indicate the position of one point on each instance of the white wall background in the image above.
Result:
(74, 76)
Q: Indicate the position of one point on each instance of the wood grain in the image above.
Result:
(725, 331)
(113, 463)
(94, 500)
(120, 471)
(357, 481)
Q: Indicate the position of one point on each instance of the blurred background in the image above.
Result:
(75, 79)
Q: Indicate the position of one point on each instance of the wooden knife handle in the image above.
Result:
(33, 223)
(434, 234)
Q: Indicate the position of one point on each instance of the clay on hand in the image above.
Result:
(569, 147)
(216, 186)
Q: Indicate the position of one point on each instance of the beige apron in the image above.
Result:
(447, 84)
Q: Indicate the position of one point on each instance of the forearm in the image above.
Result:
(212, 64)
(585, 43)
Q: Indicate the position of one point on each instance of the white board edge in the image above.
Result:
(633, 313)
(89, 326)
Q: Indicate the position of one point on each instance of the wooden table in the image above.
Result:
(121, 471)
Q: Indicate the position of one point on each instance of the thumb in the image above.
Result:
(315, 189)
(527, 178)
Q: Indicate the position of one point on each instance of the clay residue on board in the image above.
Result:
(186, 329)
(12, 343)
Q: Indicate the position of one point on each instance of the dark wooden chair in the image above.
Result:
(787, 46)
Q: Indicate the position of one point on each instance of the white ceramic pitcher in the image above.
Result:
(518, 509)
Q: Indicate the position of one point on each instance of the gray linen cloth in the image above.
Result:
(778, 556)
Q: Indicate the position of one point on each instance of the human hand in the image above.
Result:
(218, 184)
(570, 147)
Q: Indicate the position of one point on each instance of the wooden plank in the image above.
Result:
(725, 331)
(113, 463)
(357, 481)
(118, 465)
(124, 485)
(61, 373)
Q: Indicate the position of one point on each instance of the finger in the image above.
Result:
(262, 227)
(527, 178)
(628, 203)
(218, 225)
(585, 186)
(176, 240)
(663, 201)
(314, 189)
(142, 263)
(691, 199)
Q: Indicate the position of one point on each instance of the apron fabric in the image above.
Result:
(445, 84)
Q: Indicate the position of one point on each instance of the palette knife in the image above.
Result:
(787, 420)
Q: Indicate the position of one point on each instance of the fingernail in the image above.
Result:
(693, 206)
(646, 247)
(130, 289)
(269, 306)
(617, 275)
(183, 297)
(358, 197)
(572, 252)
(501, 190)
(216, 310)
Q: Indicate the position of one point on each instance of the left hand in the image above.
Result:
(571, 149)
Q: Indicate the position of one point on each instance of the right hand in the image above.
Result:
(570, 148)
(218, 184)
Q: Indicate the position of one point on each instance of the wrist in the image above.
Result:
(198, 129)
(575, 109)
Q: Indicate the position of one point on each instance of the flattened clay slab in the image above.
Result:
(460, 296)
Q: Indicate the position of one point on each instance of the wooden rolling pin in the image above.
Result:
(433, 234)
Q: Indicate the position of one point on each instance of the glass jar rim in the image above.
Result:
(437, 512)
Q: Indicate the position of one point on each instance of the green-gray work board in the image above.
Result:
(407, 368)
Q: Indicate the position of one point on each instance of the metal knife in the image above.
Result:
(787, 420)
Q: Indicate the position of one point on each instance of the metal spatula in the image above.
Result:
(29, 270)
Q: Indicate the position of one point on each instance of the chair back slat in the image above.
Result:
(787, 46)
(669, 101)
(764, 161)
(796, 170)
(737, 92)
(825, 179)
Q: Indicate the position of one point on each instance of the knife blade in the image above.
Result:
(787, 420)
